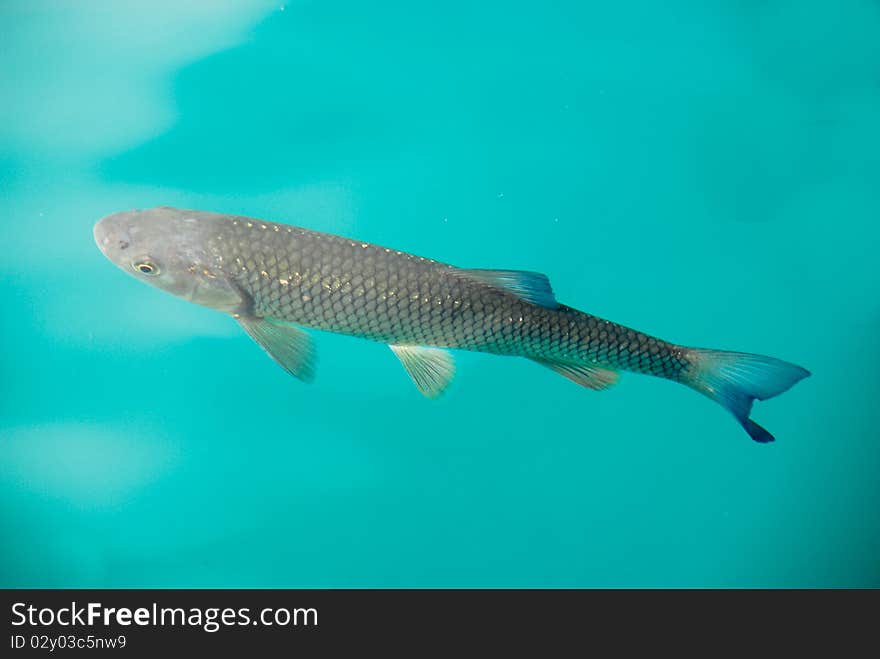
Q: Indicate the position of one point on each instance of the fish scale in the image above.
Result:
(332, 283)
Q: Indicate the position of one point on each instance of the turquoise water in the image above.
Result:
(706, 172)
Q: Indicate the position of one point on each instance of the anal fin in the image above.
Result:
(431, 369)
(591, 376)
(289, 346)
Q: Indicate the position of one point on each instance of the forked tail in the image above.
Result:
(736, 379)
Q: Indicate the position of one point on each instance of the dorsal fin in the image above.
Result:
(532, 287)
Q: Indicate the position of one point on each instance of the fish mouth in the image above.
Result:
(100, 234)
(111, 233)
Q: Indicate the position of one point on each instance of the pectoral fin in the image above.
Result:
(431, 369)
(586, 375)
(289, 346)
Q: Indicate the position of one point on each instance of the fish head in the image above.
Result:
(169, 248)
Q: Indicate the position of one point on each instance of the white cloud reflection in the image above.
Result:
(89, 465)
(99, 81)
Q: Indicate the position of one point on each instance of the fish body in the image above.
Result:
(275, 278)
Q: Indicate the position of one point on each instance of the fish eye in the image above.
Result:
(146, 267)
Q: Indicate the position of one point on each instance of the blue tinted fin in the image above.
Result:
(591, 376)
(289, 346)
(736, 379)
(532, 287)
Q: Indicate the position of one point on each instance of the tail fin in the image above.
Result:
(736, 379)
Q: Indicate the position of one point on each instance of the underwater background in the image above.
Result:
(705, 172)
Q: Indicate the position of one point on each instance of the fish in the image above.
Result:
(278, 280)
